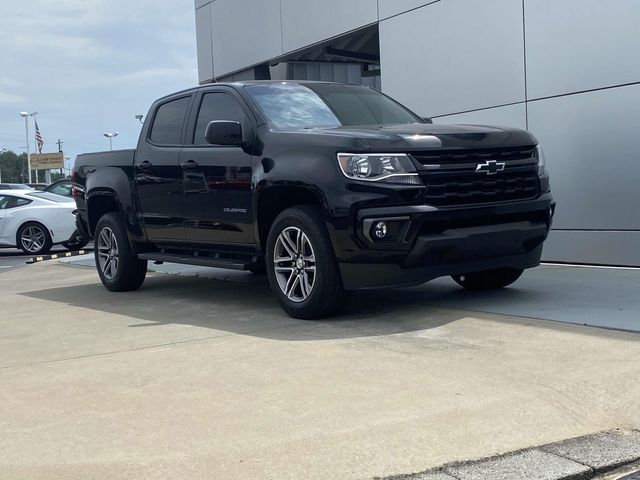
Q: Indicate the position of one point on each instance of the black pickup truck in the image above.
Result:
(328, 187)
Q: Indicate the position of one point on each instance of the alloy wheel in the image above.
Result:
(108, 258)
(294, 263)
(33, 238)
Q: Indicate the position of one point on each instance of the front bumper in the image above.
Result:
(437, 242)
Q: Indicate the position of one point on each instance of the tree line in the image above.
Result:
(13, 168)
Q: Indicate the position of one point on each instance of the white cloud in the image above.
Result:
(10, 98)
(89, 66)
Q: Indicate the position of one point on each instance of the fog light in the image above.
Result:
(380, 230)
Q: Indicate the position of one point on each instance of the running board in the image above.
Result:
(203, 261)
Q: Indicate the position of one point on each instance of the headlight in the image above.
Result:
(541, 160)
(379, 167)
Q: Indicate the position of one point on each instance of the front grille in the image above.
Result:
(446, 157)
(451, 179)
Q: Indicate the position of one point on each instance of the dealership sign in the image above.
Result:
(46, 161)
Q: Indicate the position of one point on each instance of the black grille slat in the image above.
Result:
(451, 179)
(472, 155)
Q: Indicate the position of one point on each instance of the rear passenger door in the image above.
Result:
(158, 174)
(216, 178)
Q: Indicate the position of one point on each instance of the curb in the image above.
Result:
(55, 256)
(580, 458)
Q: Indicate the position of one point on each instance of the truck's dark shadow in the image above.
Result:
(239, 302)
(250, 308)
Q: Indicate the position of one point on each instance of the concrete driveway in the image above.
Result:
(200, 378)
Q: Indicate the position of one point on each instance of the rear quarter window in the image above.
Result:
(168, 122)
(52, 197)
(8, 201)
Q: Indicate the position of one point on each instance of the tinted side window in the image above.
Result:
(167, 124)
(18, 202)
(7, 201)
(217, 106)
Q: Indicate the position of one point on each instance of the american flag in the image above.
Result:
(39, 140)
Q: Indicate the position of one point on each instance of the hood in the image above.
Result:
(424, 136)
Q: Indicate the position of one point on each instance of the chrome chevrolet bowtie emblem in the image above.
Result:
(490, 167)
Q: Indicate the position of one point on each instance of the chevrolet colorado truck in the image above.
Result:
(328, 187)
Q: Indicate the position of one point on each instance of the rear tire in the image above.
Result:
(488, 279)
(74, 244)
(33, 238)
(119, 268)
(301, 265)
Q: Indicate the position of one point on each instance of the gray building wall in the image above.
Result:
(568, 71)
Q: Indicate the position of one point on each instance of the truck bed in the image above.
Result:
(114, 158)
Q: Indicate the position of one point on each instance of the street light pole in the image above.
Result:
(110, 136)
(26, 116)
(1, 152)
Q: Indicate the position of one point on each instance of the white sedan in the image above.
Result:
(34, 221)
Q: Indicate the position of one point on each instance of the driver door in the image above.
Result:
(216, 178)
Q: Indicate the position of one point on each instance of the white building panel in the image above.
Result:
(245, 32)
(454, 56)
(204, 43)
(595, 247)
(575, 45)
(388, 8)
(509, 116)
(201, 3)
(305, 22)
(590, 141)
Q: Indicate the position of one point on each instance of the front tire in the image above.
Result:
(488, 279)
(33, 238)
(301, 265)
(120, 270)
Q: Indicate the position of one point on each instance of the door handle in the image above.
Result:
(146, 165)
(189, 165)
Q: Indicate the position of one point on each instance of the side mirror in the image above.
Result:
(427, 119)
(224, 132)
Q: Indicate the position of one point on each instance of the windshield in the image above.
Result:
(326, 105)
(52, 197)
(62, 188)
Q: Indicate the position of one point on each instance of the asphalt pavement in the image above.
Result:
(13, 258)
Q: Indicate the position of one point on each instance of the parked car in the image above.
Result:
(34, 221)
(37, 186)
(330, 187)
(60, 187)
(14, 186)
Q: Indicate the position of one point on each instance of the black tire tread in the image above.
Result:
(47, 244)
(74, 245)
(131, 270)
(329, 295)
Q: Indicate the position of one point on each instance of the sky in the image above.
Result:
(89, 66)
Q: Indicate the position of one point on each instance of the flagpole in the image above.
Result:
(35, 141)
(26, 116)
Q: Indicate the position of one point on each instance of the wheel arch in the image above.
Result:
(273, 200)
(100, 203)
